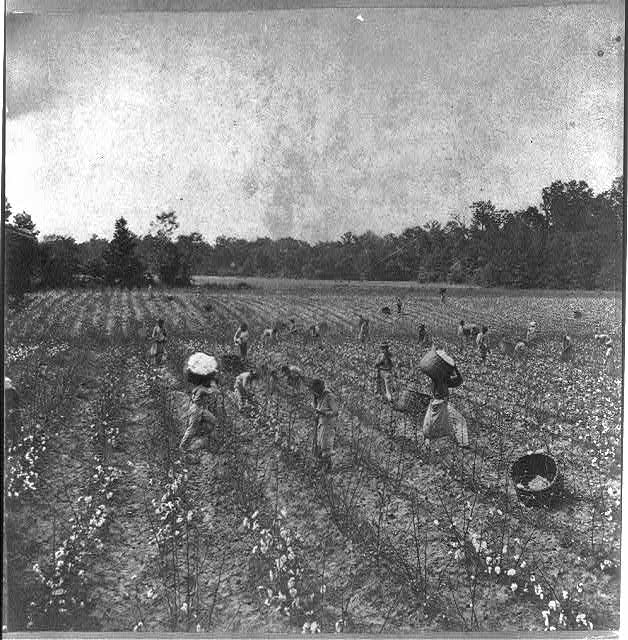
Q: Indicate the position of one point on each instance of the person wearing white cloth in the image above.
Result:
(442, 419)
(202, 371)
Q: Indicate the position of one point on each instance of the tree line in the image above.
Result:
(572, 239)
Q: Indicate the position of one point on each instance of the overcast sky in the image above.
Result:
(306, 123)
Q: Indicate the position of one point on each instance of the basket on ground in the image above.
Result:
(437, 364)
(536, 479)
(413, 402)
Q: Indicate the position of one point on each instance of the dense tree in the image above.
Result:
(59, 261)
(122, 264)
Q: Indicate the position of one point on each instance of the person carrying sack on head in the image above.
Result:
(441, 419)
(326, 409)
(202, 372)
(241, 339)
(384, 366)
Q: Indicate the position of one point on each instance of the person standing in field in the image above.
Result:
(158, 338)
(442, 295)
(567, 349)
(482, 343)
(363, 329)
(461, 335)
(384, 366)
(326, 409)
(441, 419)
(241, 339)
(399, 305)
(243, 388)
(422, 337)
(531, 332)
(609, 355)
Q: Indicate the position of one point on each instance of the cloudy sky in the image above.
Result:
(306, 123)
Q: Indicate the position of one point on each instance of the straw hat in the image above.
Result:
(201, 364)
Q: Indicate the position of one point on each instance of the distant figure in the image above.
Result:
(11, 413)
(386, 311)
(422, 333)
(482, 343)
(520, 350)
(293, 374)
(150, 290)
(243, 388)
(158, 338)
(442, 292)
(363, 329)
(269, 336)
(241, 339)
(609, 355)
(567, 349)
(399, 305)
(531, 332)
(461, 335)
(326, 408)
(384, 366)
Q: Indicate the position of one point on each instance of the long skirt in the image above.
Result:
(157, 351)
(326, 437)
(442, 420)
(385, 384)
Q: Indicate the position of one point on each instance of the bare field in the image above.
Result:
(110, 531)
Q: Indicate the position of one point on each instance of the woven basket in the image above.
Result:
(526, 469)
(436, 364)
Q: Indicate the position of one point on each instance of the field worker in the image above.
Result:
(567, 352)
(442, 295)
(531, 333)
(422, 333)
(461, 334)
(241, 339)
(440, 417)
(269, 336)
(384, 366)
(399, 305)
(363, 329)
(158, 338)
(11, 412)
(203, 373)
(520, 350)
(609, 355)
(482, 343)
(326, 408)
(243, 387)
(293, 374)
